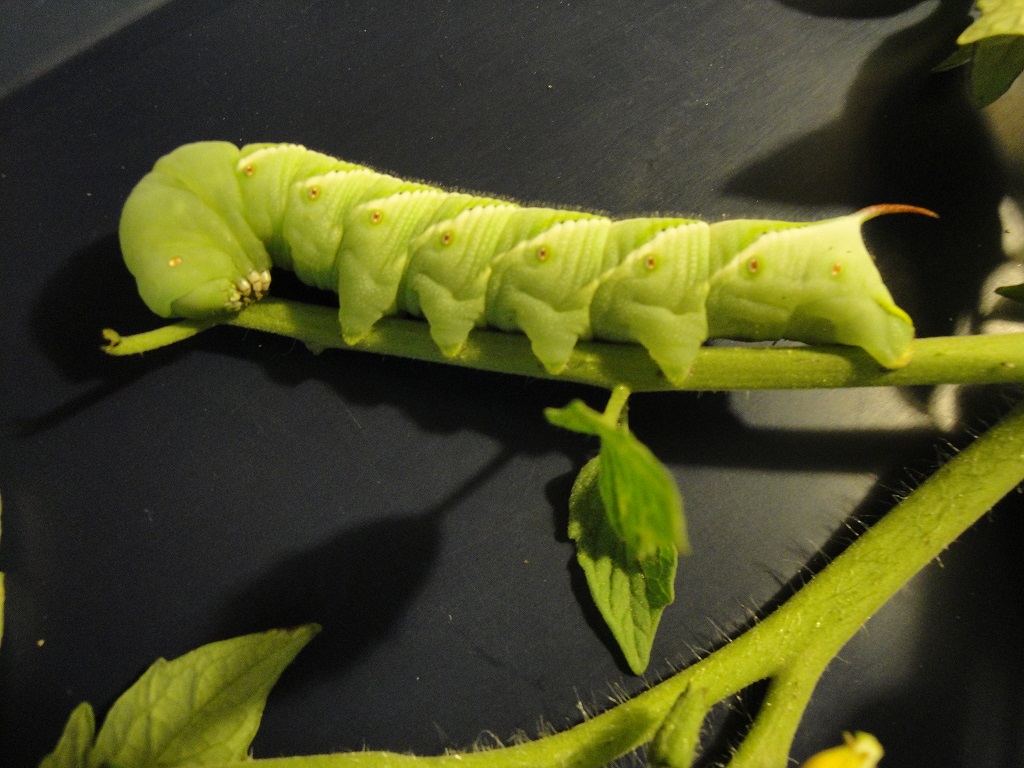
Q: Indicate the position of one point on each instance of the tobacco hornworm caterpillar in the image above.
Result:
(202, 229)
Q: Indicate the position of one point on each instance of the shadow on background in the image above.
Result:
(88, 291)
(356, 586)
(910, 134)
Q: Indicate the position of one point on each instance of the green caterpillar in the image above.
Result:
(201, 231)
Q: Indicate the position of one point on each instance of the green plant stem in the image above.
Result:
(939, 360)
(613, 412)
(792, 646)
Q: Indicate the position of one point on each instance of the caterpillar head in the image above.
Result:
(185, 239)
(817, 283)
(182, 274)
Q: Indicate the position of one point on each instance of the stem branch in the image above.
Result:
(939, 360)
(792, 645)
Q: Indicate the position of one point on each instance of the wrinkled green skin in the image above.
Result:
(201, 231)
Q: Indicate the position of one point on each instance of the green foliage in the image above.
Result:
(626, 517)
(72, 751)
(229, 679)
(993, 46)
(200, 709)
(630, 592)
(640, 497)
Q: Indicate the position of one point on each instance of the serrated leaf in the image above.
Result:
(626, 517)
(202, 708)
(630, 593)
(72, 749)
(640, 496)
(641, 499)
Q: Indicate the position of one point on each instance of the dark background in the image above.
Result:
(236, 482)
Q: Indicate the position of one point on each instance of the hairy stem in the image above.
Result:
(940, 360)
(792, 646)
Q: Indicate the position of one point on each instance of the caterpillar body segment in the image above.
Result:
(202, 229)
(808, 282)
(657, 294)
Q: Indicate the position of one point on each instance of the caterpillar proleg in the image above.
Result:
(201, 231)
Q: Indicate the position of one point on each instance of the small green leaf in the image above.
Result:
(202, 708)
(998, 61)
(640, 496)
(578, 417)
(73, 748)
(629, 592)
(994, 44)
(626, 517)
(641, 499)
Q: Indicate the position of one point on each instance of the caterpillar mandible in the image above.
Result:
(201, 231)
